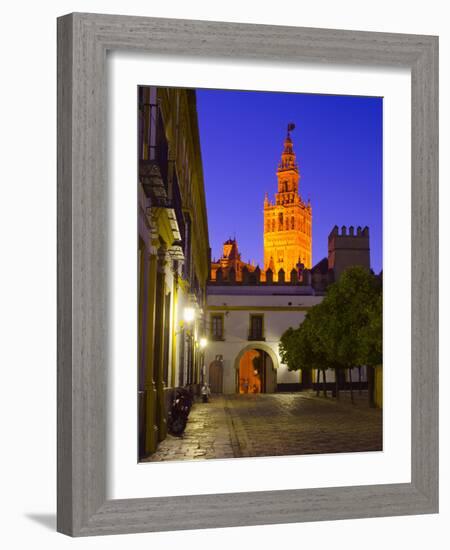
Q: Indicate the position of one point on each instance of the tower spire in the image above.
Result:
(288, 158)
(287, 221)
(287, 172)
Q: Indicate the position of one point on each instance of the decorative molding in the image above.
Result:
(258, 308)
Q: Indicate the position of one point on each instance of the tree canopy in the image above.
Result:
(343, 331)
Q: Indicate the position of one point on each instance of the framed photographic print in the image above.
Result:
(247, 274)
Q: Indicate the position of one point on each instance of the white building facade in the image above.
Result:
(247, 321)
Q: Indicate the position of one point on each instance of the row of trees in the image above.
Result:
(344, 331)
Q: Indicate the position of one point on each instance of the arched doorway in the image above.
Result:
(256, 370)
(215, 376)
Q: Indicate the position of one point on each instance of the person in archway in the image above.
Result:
(206, 392)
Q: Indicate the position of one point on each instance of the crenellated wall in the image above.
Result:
(348, 247)
(299, 276)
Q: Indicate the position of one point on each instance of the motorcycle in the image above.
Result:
(179, 411)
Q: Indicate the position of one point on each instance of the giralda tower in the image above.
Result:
(287, 221)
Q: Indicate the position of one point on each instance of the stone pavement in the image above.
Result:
(274, 425)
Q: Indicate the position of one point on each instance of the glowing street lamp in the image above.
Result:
(189, 314)
(203, 343)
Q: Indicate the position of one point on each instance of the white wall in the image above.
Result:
(266, 300)
(28, 299)
(236, 326)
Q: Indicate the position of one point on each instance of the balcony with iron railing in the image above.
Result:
(154, 156)
(157, 173)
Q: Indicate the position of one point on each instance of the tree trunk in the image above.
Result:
(318, 383)
(324, 382)
(336, 378)
(351, 384)
(370, 385)
(359, 380)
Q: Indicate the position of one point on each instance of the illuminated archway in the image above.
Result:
(259, 376)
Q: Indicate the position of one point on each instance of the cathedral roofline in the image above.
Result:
(264, 289)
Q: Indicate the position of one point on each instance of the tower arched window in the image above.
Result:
(292, 223)
(273, 225)
(280, 221)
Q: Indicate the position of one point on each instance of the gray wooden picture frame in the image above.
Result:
(83, 41)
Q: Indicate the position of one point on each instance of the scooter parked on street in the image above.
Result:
(179, 411)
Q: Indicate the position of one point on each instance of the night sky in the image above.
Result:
(338, 142)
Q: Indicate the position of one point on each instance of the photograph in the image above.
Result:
(260, 296)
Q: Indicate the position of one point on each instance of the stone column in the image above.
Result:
(151, 431)
(159, 343)
(173, 366)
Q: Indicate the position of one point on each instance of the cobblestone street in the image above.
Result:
(274, 425)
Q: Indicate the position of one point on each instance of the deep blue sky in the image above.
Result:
(338, 142)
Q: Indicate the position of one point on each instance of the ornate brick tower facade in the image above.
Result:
(288, 221)
(230, 259)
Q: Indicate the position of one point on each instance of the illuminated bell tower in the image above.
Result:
(288, 221)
